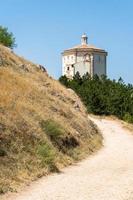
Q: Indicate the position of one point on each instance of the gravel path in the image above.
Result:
(108, 175)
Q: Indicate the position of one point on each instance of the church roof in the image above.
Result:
(84, 47)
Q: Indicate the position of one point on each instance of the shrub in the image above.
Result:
(128, 118)
(47, 155)
(58, 136)
(52, 129)
(6, 38)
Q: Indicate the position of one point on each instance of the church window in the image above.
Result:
(68, 68)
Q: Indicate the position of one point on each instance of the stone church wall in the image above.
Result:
(99, 64)
(82, 68)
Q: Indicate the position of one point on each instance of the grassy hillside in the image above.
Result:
(43, 126)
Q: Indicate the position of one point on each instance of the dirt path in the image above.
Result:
(108, 175)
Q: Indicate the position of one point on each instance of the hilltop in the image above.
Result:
(43, 125)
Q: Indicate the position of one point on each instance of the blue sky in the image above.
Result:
(43, 29)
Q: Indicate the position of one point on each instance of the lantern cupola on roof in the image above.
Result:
(84, 39)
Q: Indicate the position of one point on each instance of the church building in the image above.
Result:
(84, 58)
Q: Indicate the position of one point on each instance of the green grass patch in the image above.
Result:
(47, 156)
(52, 129)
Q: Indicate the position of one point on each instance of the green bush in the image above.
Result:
(52, 129)
(7, 38)
(46, 154)
(128, 118)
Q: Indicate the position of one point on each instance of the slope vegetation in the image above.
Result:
(43, 126)
(106, 175)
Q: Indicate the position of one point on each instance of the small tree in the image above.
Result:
(64, 80)
(7, 38)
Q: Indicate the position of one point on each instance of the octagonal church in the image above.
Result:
(84, 58)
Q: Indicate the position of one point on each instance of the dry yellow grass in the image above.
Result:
(127, 126)
(28, 99)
